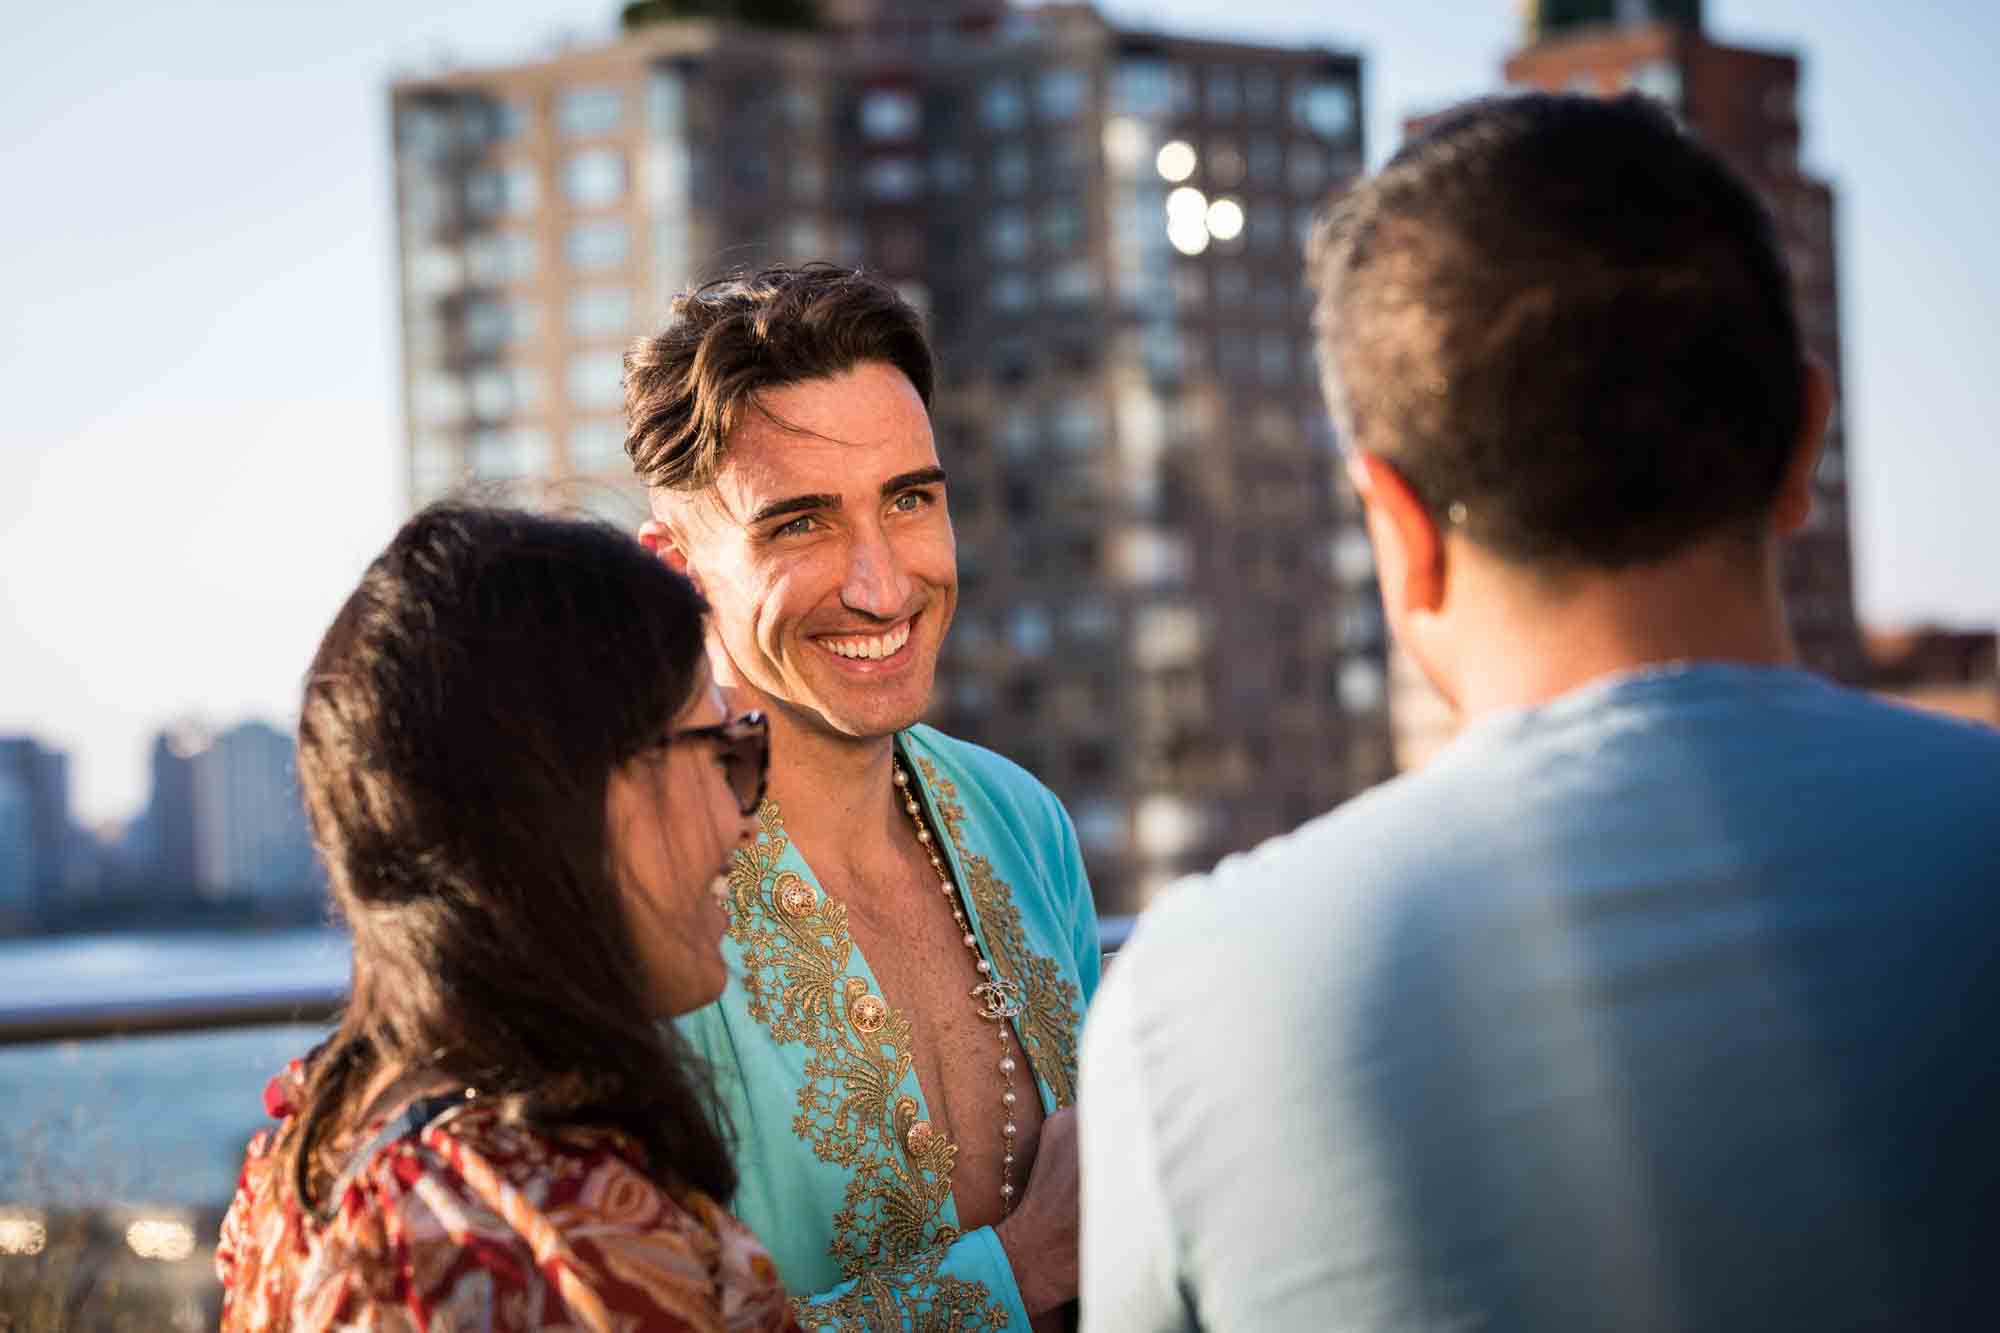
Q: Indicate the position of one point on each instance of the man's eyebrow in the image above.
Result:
(796, 504)
(929, 476)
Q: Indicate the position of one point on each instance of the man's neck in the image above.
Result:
(1521, 641)
(836, 792)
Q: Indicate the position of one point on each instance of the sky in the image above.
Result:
(199, 417)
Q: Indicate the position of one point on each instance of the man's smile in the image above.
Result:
(878, 647)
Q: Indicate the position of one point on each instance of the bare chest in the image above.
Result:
(974, 1083)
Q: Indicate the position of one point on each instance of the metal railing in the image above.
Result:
(218, 1010)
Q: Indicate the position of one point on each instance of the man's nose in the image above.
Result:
(876, 584)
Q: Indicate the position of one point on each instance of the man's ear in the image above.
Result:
(1409, 548)
(659, 537)
(1795, 491)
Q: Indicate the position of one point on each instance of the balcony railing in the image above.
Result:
(311, 1001)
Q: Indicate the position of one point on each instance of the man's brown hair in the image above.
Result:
(687, 386)
(1568, 324)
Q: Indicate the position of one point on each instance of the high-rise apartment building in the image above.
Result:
(1744, 104)
(1167, 611)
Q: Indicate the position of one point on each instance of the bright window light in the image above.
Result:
(1176, 161)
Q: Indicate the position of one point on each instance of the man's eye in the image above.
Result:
(802, 524)
(911, 501)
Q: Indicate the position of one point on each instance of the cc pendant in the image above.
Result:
(998, 999)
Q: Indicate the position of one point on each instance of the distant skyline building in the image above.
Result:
(1168, 606)
(17, 852)
(1744, 104)
(225, 819)
(39, 777)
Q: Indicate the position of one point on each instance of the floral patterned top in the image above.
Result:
(471, 1222)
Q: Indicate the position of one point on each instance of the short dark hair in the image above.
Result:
(460, 727)
(687, 386)
(1570, 318)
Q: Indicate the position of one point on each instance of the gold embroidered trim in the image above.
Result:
(1053, 1016)
(796, 953)
(913, 1296)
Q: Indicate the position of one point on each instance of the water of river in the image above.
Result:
(145, 1119)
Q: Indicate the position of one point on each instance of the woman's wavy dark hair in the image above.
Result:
(462, 720)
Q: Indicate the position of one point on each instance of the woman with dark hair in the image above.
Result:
(526, 793)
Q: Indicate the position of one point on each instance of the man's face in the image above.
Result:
(826, 553)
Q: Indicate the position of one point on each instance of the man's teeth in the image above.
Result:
(870, 647)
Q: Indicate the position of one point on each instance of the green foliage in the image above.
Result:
(798, 15)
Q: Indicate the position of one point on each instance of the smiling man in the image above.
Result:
(913, 940)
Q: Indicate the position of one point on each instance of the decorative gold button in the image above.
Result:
(868, 1013)
(919, 1137)
(796, 897)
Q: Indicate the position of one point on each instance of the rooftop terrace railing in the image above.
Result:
(220, 1009)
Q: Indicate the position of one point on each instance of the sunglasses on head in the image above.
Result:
(743, 745)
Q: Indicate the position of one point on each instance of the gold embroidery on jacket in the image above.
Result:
(889, 1234)
(1049, 1024)
(914, 1296)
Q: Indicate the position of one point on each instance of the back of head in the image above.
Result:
(461, 723)
(686, 387)
(1568, 325)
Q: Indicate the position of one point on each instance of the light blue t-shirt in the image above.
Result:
(1673, 1004)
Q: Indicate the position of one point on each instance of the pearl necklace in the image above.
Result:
(999, 999)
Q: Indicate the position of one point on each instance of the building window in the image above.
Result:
(1011, 170)
(503, 192)
(1078, 425)
(1010, 292)
(890, 113)
(440, 399)
(1000, 106)
(1221, 94)
(586, 111)
(1326, 107)
(1143, 88)
(806, 180)
(600, 312)
(1260, 91)
(1071, 284)
(498, 392)
(496, 257)
(894, 178)
(423, 132)
(1060, 93)
(597, 380)
(1353, 557)
(595, 245)
(436, 270)
(492, 324)
(1361, 686)
(434, 467)
(805, 239)
(1274, 358)
(949, 173)
(1659, 79)
(597, 446)
(801, 106)
(1062, 226)
(1007, 235)
(666, 105)
(595, 178)
(1028, 630)
(1100, 825)
(506, 120)
(506, 455)
(1308, 169)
